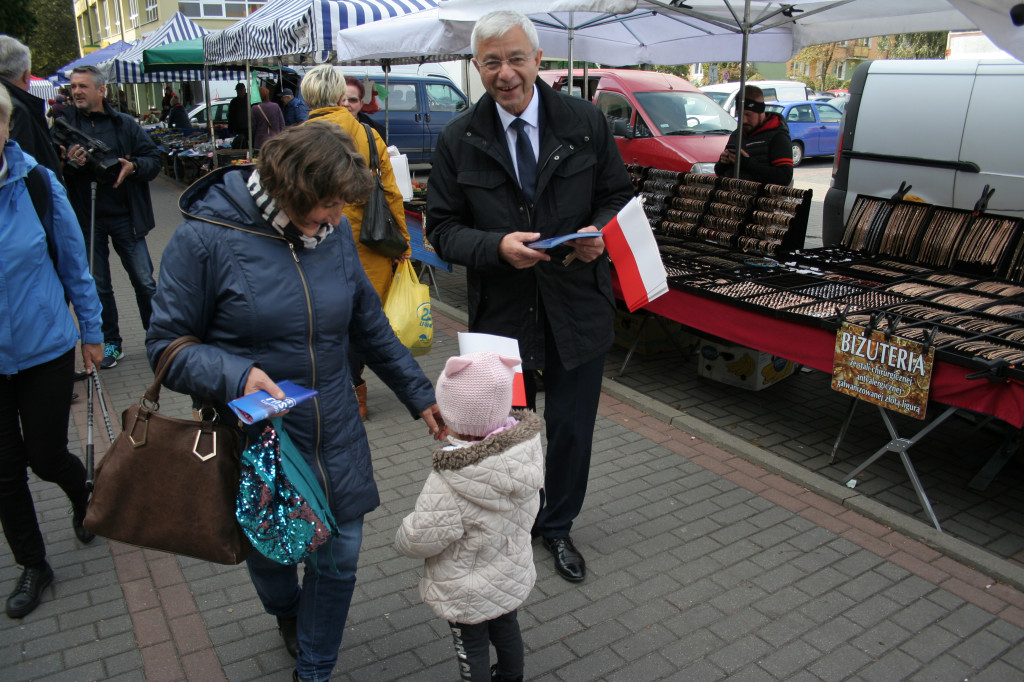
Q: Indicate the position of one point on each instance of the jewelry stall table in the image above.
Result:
(814, 346)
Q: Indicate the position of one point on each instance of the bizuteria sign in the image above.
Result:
(893, 373)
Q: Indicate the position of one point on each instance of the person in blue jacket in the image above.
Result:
(264, 270)
(37, 355)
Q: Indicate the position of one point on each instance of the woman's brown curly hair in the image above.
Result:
(307, 164)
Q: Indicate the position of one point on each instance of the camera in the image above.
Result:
(98, 159)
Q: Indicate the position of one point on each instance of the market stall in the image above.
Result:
(948, 279)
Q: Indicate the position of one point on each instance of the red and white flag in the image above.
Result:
(634, 252)
(472, 342)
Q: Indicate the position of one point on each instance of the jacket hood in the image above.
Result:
(491, 470)
(773, 122)
(222, 197)
(18, 162)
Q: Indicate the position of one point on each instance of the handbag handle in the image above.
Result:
(163, 365)
(374, 160)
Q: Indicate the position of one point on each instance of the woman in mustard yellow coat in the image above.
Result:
(323, 88)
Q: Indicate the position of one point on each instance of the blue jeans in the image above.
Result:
(322, 602)
(135, 259)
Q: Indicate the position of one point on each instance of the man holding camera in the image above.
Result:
(111, 150)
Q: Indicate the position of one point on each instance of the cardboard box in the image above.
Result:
(658, 336)
(741, 366)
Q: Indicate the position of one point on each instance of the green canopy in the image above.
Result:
(184, 55)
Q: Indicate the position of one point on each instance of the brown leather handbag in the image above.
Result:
(170, 484)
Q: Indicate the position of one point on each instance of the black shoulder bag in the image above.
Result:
(380, 230)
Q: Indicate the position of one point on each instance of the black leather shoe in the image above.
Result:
(79, 375)
(288, 627)
(77, 518)
(568, 561)
(25, 597)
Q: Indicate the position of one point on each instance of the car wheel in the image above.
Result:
(798, 153)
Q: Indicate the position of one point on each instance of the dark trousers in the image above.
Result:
(136, 261)
(571, 397)
(472, 648)
(34, 409)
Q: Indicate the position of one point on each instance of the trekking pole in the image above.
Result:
(103, 405)
(90, 449)
(90, 454)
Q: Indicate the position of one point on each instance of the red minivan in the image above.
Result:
(658, 119)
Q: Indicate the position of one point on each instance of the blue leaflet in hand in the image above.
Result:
(555, 241)
(258, 406)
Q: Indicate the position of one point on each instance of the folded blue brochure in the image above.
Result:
(258, 406)
(555, 241)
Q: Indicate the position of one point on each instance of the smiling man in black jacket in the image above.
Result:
(528, 163)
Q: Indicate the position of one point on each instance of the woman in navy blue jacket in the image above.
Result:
(37, 355)
(265, 271)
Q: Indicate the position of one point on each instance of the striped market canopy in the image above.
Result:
(126, 67)
(93, 59)
(299, 31)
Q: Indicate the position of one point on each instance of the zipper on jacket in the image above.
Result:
(312, 360)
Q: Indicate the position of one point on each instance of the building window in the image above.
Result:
(133, 13)
(218, 9)
(152, 11)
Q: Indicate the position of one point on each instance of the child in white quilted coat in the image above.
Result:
(473, 517)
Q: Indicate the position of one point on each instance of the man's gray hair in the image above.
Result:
(322, 86)
(5, 107)
(98, 79)
(496, 24)
(15, 58)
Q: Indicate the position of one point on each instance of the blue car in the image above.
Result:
(813, 127)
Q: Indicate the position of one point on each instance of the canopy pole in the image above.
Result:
(571, 73)
(248, 89)
(209, 111)
(741, 99)
(465, 76)
(386, 65)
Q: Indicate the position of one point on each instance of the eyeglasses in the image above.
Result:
(516, 62)
(351, 100)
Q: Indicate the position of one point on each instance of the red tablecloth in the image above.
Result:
(812, 346)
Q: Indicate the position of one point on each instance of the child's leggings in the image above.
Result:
(472, 649)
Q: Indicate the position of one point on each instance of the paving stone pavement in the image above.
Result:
(702, 565)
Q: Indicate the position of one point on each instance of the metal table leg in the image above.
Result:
(844, 429)
(433, 281)
(900, 446)
(636, 342)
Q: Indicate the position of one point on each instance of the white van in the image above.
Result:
(947, 128)
(725, 94)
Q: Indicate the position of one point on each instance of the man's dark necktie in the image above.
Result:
(525, 159)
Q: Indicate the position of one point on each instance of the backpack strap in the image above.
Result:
(39, 189)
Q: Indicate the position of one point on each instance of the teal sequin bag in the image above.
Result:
(281, 505)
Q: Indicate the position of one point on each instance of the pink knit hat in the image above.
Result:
(474, 392)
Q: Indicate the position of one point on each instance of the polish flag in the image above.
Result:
(634, 252)
(471, 342)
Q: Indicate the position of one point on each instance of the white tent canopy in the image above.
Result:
(299, 31)
(807, 23)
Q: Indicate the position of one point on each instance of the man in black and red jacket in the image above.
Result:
(767, 150)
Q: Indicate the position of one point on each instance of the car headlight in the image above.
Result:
(706, 168)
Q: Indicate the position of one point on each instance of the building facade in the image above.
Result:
(102, 22)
